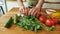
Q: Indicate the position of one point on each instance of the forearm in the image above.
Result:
(40, 3)
(20, 2)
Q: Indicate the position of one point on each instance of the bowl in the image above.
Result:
(50, 11)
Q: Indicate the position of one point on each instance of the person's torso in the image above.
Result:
(30, 3)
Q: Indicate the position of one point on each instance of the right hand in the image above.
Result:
(35, 11)
(23, 10)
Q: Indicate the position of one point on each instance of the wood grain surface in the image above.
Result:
(17, 30)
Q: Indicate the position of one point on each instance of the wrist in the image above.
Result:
(37, 7)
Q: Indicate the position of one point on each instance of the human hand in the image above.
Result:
(23, 10)
(34, 11)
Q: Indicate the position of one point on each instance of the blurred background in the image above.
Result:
(6, 5)
(47, 4)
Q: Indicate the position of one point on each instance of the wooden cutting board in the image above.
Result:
(17, 30)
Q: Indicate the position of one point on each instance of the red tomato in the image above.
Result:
(55, 21)
(42, 19)
(40, 15)
(49, 22)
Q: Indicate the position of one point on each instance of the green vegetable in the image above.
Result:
(15, 19)
(8, 23)
(30, 2)
(29, 23)
(52, 28)
(33, 24)
(31, 28)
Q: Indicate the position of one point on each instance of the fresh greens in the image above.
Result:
(15, 19)
(52, 28)
(8, 23)
(32, 23)
(30, 2)
(29, 23)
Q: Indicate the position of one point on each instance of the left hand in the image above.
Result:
(34, 11)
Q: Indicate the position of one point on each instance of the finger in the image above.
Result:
(29, 13)
(32, 13)
(38, 12)
(23, 10)
(26, 11)
(20, 10)
(37, 15)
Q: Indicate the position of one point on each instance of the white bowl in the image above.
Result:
(50, 11)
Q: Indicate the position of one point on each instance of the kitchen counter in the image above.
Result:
(17, 30)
